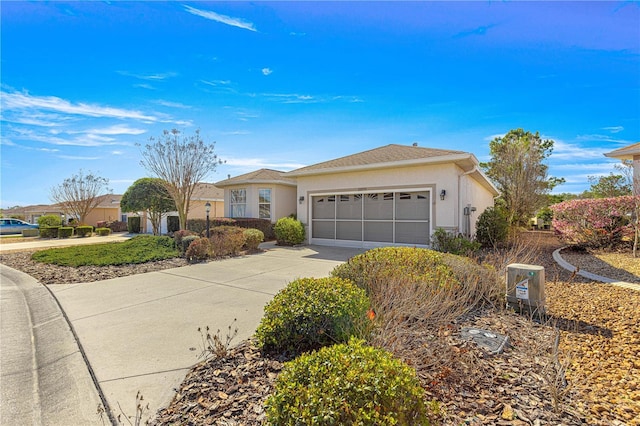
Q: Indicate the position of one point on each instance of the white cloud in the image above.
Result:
(267, 71)
(172, 104)
(216, 83)
(116, 129)
(614, 129)
(21, 101)
(568, 151)
(237, 132)
(73, 157)
(492, 137)
(150, 77)
(258, 163)
(290, 98)
(117, 152)
(223, 19)
(602, 138)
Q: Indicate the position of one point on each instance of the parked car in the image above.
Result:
(14, 226)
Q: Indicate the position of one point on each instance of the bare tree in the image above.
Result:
(181, 162)
(80, 194)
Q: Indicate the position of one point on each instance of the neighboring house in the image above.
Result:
(32, 213)
(392, 195)
(265, 194)
(203, 193)
(107, 210)
(630, 152)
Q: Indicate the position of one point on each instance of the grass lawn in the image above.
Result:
(140, 249)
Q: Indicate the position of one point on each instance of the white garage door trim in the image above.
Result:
(342, 212)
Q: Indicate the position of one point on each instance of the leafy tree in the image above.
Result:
(181, 162)
(80, 194)
(517, 169)
(150, 195)
(609, 186)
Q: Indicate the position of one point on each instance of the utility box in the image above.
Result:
(525, 288)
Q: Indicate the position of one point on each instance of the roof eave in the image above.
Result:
(465, 161)
(223, 183)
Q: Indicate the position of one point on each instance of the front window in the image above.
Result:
(238, 203)
(264, 203)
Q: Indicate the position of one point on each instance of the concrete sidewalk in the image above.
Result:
(38, 243)
(44, 379)
(140, 332)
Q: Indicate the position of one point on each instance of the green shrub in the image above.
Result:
(139, 249)
(447, 242)
(103, 232)
(289, 231)
(186, 241)
(420, 276)
(65, 231)
(198, 250)
(179, 235)
(133, 224)
(226, 240)
(49, 231)
(263, 225)
(49, 220)
(347, 384)
(252, 238)
(173, 224)
(30, 232)
(492, 227)
(84, 231)
(198, 226)
(310, 313)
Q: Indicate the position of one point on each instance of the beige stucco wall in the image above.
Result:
(447, 213)
(102, 214)
(283, 199)
(197, 209)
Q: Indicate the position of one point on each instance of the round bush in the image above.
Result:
(492, 227)
(289, 231)
(310, 313)
(226, 240)
(347, 384)
(198, 250)
(253, 238)
(186, 241)
(179, 235)
(49, 220)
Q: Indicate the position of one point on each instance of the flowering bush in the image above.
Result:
(596, 223)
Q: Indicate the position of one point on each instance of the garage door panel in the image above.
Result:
(378, 206)
(378, 231)
(349, 230)
(322, 229)
(412, 206)
(412, 233)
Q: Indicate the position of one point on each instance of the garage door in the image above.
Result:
(371, 219)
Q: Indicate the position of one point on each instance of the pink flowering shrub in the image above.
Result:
(596, 223)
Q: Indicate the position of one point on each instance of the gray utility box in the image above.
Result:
(525, 288)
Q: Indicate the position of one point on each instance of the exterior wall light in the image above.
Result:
(207, 209)
(442, 194)
(301, 199)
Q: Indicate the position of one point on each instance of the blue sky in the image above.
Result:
(282, 85)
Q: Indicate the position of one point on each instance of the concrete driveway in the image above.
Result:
(140, 332)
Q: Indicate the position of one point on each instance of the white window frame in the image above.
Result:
(260, 203)
(238, 208)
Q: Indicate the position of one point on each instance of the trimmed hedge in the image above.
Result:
(199, 249)
(30, 232)
(84, 231)
(310, 313)
(347, 384)
(49, 231)
(103, 232)
(186, 241)
(65, 231)
(49, 220)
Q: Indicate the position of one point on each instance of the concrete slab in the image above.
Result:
(140, 332)
(37, 243)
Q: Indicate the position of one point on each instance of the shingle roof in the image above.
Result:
(258, 176)
(626, 152)
(392, 153)
(207, 191)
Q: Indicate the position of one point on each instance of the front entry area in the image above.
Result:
(371, 219)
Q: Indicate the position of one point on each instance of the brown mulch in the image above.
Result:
(597, 366)
(54, 274)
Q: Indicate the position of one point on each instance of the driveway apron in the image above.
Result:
(140, 333)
